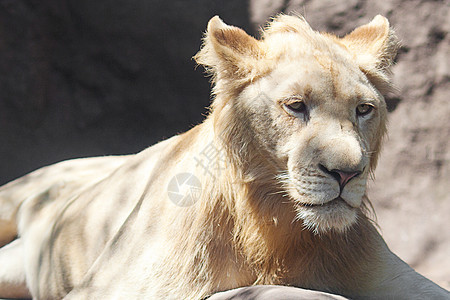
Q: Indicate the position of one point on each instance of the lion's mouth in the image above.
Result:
(336, 214)
(335, 202)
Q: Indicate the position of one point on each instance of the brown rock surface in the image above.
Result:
(82, 78)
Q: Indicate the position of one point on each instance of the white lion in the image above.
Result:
(294, 131)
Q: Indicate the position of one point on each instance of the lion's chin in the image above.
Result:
(336, 216)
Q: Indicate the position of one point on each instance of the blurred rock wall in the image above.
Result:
(82, 78)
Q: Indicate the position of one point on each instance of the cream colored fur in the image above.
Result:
(40, 196)
(291, 112)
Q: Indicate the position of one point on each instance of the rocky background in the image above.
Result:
(82, 78)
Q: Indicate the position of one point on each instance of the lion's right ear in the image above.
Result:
(228, 52)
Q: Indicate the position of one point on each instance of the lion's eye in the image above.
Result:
(363, 109)
(297, 106)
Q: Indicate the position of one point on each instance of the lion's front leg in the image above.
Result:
(397, 280)
(12, 271)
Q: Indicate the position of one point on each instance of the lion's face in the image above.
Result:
(320, 120)
(310, 103)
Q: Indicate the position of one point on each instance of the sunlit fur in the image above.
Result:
(246, 70)
(267, 213)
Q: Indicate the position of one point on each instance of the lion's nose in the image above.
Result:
(342, 177)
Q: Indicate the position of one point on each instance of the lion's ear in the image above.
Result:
(374, 47)
(228, 52)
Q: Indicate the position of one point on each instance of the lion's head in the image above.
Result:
(312, 110)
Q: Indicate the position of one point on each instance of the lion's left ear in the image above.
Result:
(374, 47)
(228, 51)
